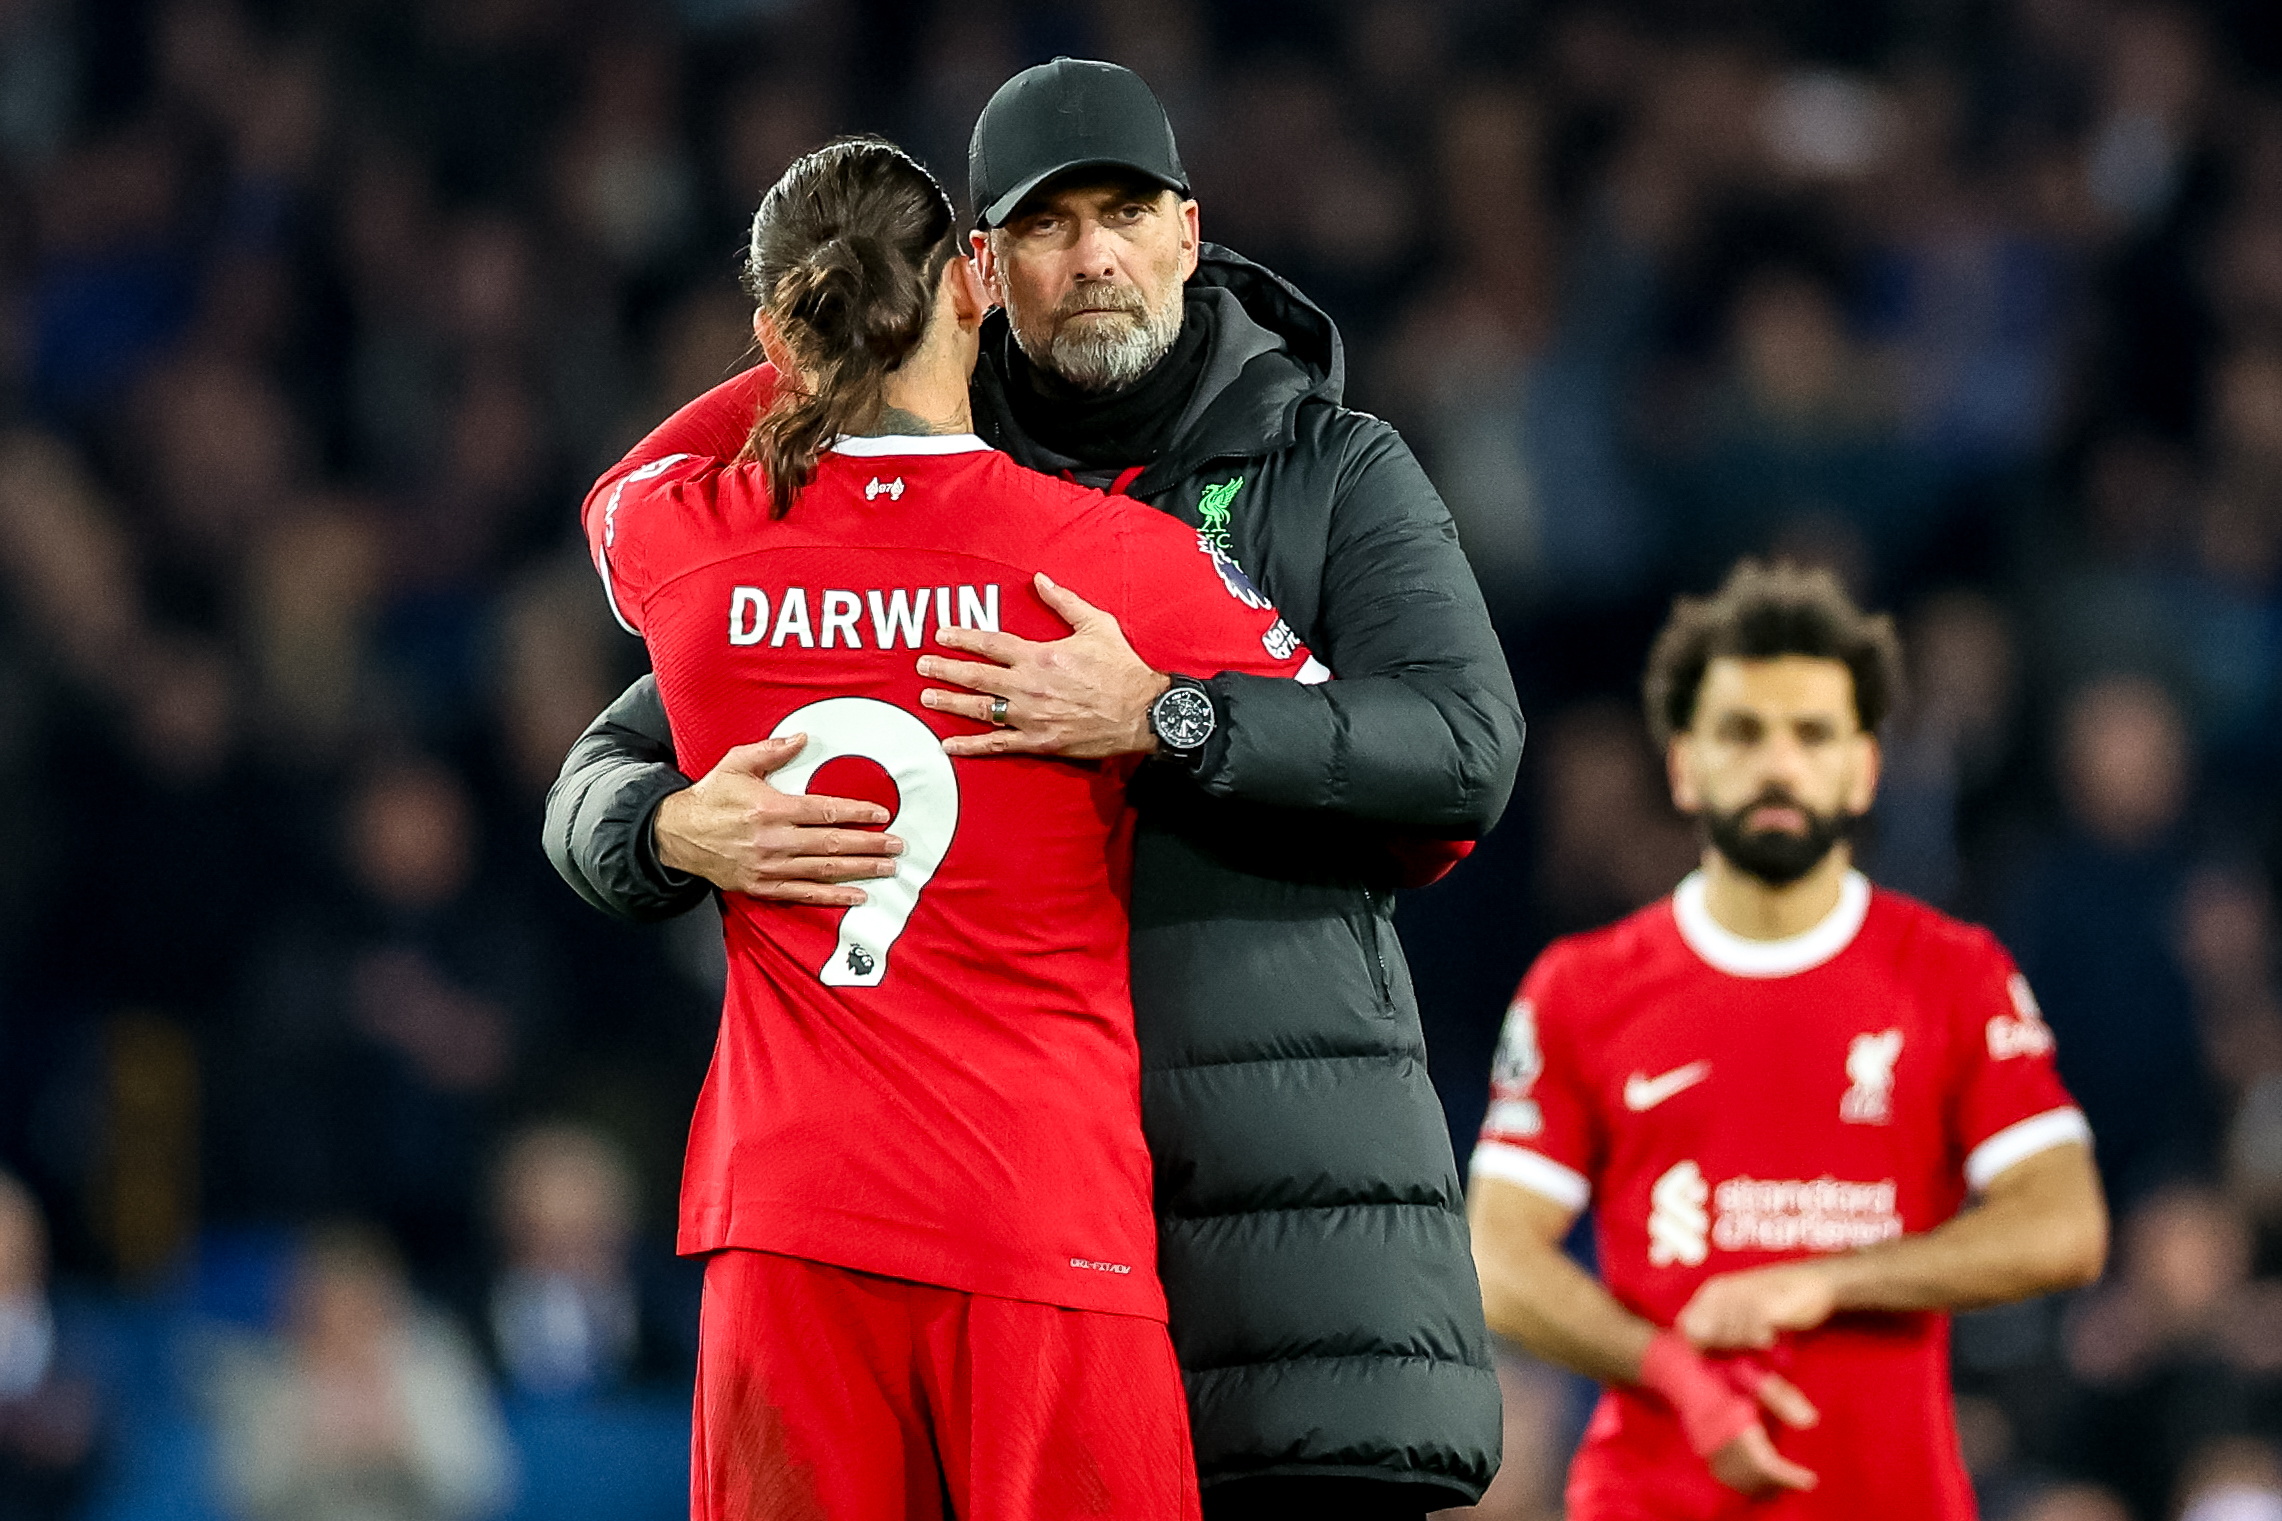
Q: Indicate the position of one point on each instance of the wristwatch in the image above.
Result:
(1183, 718)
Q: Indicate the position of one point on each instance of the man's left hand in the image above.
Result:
(1083, 697)
(1750, 1309)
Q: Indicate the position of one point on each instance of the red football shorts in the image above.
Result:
(825, 1394)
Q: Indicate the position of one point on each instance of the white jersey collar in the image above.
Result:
(1740, 957)
(875, 445)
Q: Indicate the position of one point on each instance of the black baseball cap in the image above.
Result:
(1073, 113)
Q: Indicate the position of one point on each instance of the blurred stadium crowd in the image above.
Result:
(316, 318)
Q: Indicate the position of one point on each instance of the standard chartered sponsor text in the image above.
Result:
(1823, 1214)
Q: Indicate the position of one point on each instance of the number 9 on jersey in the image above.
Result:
(927, 815)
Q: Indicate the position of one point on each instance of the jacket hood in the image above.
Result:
(1308, 333)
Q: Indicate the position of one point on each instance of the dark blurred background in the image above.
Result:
(347, 1137)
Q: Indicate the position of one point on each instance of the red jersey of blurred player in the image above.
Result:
(940, 1084)
(1723, 1103)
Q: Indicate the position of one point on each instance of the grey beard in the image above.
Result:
(1106, 356)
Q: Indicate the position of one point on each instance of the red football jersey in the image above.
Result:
(1724, 1103)
(940, 1084)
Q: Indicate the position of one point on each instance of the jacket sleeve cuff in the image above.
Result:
(654, 873)
(1212, 759)
(621, 854)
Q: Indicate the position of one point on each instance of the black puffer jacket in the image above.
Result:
(1312, 1232)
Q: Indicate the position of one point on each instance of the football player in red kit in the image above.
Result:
(917, 1163)
(1775, 1090)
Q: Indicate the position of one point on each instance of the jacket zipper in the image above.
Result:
(1378, 949)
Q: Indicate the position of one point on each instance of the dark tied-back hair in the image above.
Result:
(1762, 612)
(847, 248)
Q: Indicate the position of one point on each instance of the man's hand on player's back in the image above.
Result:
(1083, 697)
(745, 836)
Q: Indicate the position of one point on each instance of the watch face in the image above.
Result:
(1183, 718)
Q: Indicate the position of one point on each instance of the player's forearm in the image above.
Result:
(1549, 1305)
(1968, 1264)
(1533, 1294)
(2046, 1232)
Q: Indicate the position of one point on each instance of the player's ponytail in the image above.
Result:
(847, 249)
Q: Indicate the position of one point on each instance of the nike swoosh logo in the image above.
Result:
(1642, 1093)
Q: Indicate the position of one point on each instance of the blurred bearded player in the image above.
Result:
(1311, 1227)
(1776, 1088)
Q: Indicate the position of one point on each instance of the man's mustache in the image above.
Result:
(1103, 298)
(1777, 796)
